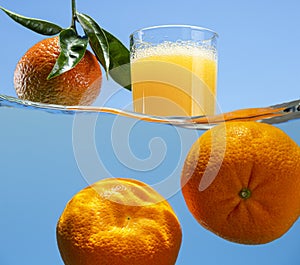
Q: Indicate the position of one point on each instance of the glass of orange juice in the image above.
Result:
(174, 70)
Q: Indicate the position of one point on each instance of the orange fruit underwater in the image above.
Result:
(78, 86)
(118, 221)
(241, 180)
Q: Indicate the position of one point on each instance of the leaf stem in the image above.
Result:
(73, 22)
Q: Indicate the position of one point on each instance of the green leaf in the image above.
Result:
(72, 49)
(97, 39)
(119, 61)
(111, 53)
(37, 25)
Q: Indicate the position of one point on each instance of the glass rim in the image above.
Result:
(214, 34)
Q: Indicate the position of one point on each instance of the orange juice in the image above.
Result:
(174, 79)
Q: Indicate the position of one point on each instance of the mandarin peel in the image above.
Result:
(254, 197)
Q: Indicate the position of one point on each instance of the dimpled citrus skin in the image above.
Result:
(249, 195)
(78, 86)
(118, 221)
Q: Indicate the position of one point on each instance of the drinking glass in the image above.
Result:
(174, 70)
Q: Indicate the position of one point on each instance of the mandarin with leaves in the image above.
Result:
(78, 86)
(60, 70)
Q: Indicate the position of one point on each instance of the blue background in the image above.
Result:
(258, 40)
(46, 158)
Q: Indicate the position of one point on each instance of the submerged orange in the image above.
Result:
(241, 180)
(118, 221)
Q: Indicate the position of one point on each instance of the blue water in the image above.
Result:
(48, 157)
